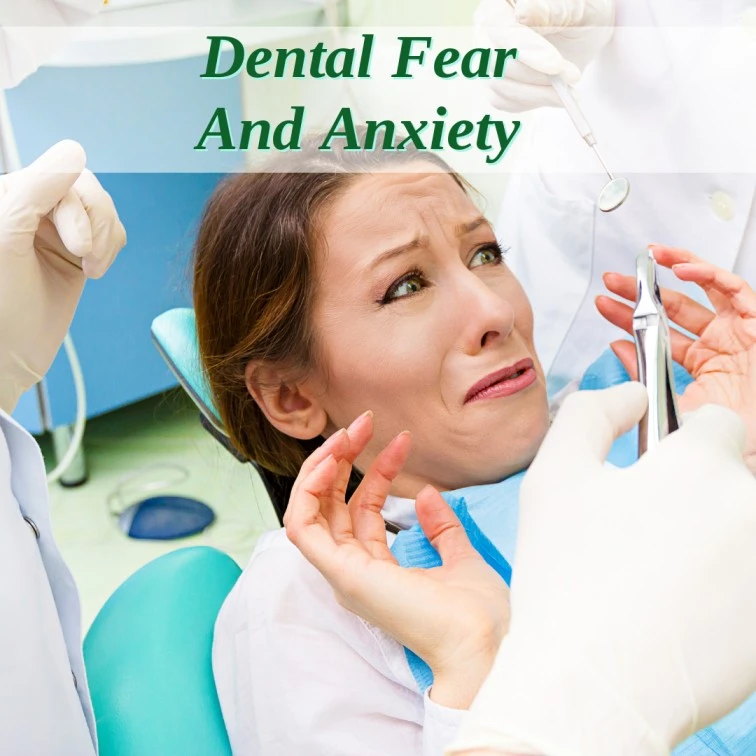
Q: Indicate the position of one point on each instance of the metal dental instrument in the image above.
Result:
(617, 189)
(654, 353)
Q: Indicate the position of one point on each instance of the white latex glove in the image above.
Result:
(643, 630)
(552, 37)
(58, 227)
(32, 30)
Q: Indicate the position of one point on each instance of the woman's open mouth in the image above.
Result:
(504, 382)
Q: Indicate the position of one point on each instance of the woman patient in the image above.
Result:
(365, 290)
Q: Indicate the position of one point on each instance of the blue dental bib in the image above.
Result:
(489, 515)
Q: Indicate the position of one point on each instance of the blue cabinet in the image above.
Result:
(142, 117)
(111, 330)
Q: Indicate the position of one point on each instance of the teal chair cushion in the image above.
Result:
(148, 658)
(174, 333)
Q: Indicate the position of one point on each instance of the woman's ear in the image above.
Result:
(291, 407)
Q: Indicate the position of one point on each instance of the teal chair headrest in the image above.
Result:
(148, 658)
(175, 336)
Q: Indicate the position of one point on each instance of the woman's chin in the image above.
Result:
(516, 458)
(519, 449)
(495, 451)
(513, 466)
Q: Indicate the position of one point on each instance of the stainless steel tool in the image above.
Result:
(654, 353)
(617, 189)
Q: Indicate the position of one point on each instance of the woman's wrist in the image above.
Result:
(461, 668)
(457, 682)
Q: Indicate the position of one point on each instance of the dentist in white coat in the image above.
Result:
(669, 88)
(58, 227)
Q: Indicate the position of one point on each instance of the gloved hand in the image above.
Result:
(552, 37)
(58, 227)
(645, 630)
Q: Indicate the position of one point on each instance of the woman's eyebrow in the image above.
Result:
(390, 254)
(465, 228)
(422, 241)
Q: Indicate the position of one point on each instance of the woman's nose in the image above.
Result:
(489, 318)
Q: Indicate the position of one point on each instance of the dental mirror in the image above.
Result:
(614, 193)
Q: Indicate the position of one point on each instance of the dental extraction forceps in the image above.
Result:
(654, 353)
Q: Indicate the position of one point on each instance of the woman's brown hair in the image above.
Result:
(253, 282)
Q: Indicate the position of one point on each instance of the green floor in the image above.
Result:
(160, 431)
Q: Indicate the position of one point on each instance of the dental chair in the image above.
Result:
(174, 333)
(148, 652)
(148, 658)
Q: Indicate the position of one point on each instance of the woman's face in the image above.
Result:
(415, 312)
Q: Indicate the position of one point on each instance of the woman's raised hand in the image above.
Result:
(722, 359)
(453, 617)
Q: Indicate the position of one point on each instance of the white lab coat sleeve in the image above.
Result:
(40, 707)
(441, 726)
(298, 675)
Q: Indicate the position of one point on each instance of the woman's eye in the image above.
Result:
(404, 287)
(490, 253)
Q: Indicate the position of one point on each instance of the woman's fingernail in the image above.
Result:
(336, 437)
(396, 438)
(323, 462)
(426, 490)
(360, 418)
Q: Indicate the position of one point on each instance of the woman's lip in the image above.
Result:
(502, 382)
